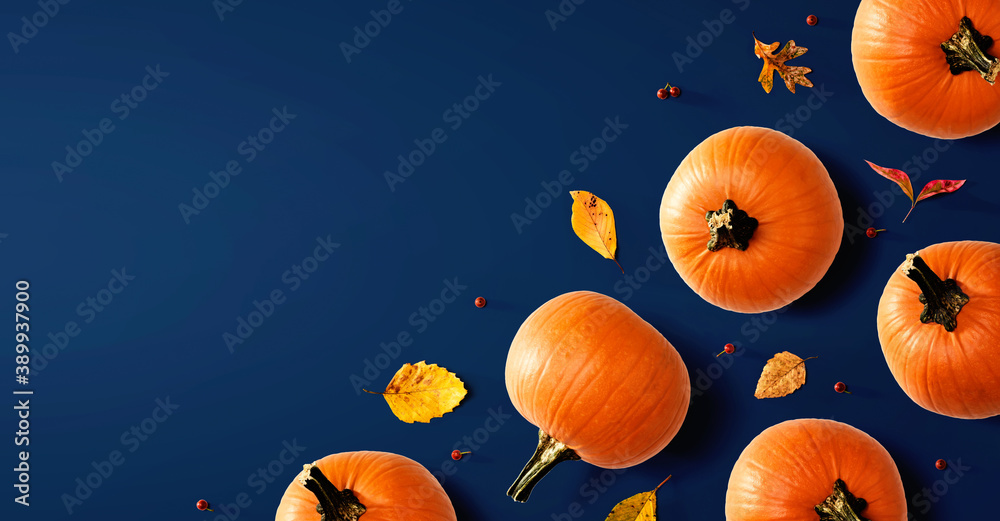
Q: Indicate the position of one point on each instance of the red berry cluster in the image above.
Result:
(668, 91)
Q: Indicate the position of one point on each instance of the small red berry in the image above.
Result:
(812, 20)
(872, 232)
(662, 94)
(840, 387)
(480, 302)
(675, 91)
(729, 348)
(203, 505)
(457, 454)
(941, 464)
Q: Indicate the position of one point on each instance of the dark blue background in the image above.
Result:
(323, 176)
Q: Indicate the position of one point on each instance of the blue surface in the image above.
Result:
(322, 177)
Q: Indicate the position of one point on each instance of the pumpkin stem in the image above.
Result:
(549, 453)
(966, 51)
(730, 227)
(841, 505)
(334, 504)
(942, 299)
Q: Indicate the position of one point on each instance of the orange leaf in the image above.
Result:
(776, 63)
(782, 375)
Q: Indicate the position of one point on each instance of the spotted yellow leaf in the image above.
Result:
(782, 375)
(640, 507)
(419, 392)
(594, 223)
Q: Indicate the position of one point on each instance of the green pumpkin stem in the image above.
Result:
(841, 505)
(942, 299)
(334, 504)
(966, 51)
(549, 453)
(730, 227)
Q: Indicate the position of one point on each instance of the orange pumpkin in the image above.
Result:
(926, 66)
(793, 467)
(601, 384)
(939, 337)
(751, 220)
(372, 486)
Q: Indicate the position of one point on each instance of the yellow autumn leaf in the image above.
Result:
(594, 223)
(640, 507)
(782, 375)
(419, 392)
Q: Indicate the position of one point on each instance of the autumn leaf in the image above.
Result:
(937, 186)
(419, 392)
(782, 376)
(594, 223)
(640, 507)
(776, 63)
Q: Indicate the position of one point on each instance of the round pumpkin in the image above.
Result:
(751, 220)
(601, 383)
(926, 65)
(365, 485)
(793, 467)
(939, 325)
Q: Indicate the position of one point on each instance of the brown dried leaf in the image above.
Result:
(782, 376)
(776, 63)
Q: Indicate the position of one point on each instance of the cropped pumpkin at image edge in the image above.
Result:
(926, 65)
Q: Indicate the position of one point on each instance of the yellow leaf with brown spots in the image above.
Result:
(419, 392)
(782, 376)
(640, 507)
(594, 223)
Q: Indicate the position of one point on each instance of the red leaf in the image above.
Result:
(898, 176)
(940, 186)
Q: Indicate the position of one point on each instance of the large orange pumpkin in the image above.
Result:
(388, 487)
(939, 325)
(601, 384)
(751, 220)
(793, 467)
(926, 65)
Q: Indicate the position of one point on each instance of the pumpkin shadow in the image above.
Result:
(696, 437)
(851, 255)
